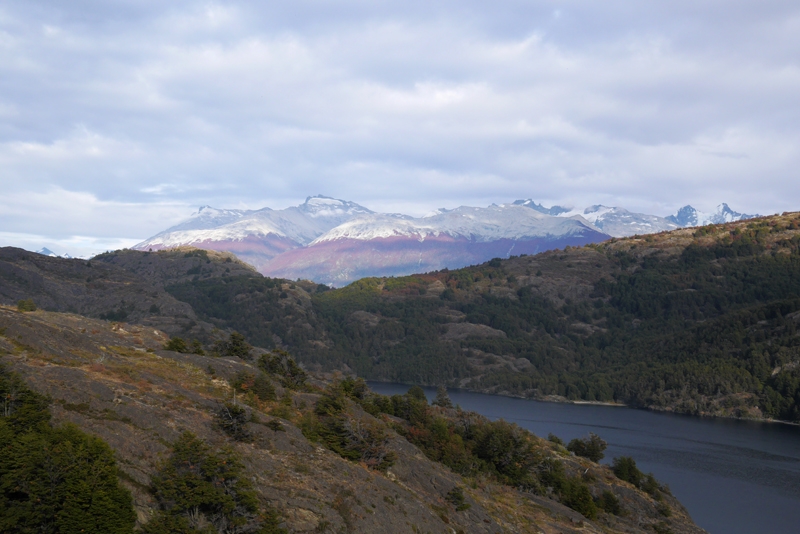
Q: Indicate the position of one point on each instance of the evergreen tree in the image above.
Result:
(55, 480)
(177, 344)
(203, 492)
(442, 398)
(26, 305)
(238, 346)
(625, 469)
(418, 393)
(591, 447)
(235, 346)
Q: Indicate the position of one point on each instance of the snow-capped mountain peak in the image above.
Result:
(689, 216)
(208, 217)
(434, 213)
(596, 212)
(44, 251)
(726, 214)
(686, 216)
(276, 230)
(529, 203)
(322, 206)
(332, 240)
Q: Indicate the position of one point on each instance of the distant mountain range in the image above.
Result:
(44, 251)
(334, 241)
(257, 236)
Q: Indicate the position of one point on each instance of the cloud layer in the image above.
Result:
(116, 118)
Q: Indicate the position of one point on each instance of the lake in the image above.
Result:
(733, 476)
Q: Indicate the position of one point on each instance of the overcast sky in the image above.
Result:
(119, 118)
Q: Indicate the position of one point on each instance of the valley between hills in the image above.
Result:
(137, 348)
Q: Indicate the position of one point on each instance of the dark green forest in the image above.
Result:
(253, 306)
(709, 328)
(54, 479)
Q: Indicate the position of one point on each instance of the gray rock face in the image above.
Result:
(687, 216)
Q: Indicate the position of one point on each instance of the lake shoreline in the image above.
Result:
(563, 400)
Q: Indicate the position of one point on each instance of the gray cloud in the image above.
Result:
(119, 117)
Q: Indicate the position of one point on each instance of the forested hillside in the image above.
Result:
(700, 321)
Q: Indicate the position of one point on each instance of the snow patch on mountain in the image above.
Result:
(434, 213)
(471, 223)
(593, 213)
(235, 231)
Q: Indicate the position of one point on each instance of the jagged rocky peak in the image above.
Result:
(615, 221)
(689, 216)
(44, 251)
(530, 203)
(686, 216)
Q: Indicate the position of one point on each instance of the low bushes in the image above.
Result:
(625, 469)
(357, 438)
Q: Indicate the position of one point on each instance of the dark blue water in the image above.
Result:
(733, 476)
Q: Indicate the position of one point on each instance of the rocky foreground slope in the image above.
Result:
(114, 381)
